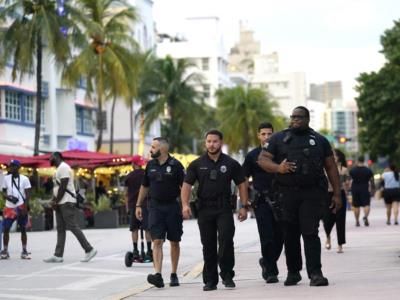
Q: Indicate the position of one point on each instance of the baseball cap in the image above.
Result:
(15, 162)
(138, 160)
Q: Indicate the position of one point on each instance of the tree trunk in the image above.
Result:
(112, 125)
(39, 54)
(132, 124)
(100, 104)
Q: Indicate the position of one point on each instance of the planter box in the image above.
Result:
(37, 223)
(106, 219)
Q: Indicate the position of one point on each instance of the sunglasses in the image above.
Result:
(297, 117)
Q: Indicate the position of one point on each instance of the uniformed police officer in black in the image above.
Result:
(298, 156)
(162, 180)
(214, 172)
(269, 228)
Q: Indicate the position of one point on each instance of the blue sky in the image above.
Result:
(327, 39)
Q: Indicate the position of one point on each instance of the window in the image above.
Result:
(19, 106)
(13, 106)
(29, 110)
(87, 121)
(206, 90)
(205, 64)
(84, 120)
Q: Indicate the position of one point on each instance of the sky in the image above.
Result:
(327, 39)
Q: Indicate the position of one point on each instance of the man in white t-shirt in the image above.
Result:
(16, 189)
(64, 203)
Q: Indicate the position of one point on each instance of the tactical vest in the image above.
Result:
(306, 151)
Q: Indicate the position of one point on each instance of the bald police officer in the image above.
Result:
(298, 156)
(162, 181)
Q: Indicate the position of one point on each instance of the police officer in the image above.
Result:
(214, 172)
(298, 156)
(162, 181)
(268, 227)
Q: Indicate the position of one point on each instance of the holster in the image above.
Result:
(273, 200)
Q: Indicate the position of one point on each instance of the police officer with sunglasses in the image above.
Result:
(298, 157)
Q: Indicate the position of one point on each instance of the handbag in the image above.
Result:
(79, 198)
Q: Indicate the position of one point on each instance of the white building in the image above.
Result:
(318, 116)
(68, 117)
(288, 90)
(203, 45)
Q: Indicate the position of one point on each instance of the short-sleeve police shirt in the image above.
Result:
(262, 180)
(164, 181)
(214, 177)
(276, 144)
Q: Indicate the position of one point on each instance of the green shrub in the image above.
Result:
(35, 207)
(103, 204)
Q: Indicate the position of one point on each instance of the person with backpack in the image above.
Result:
(16, 189)
(64, 203)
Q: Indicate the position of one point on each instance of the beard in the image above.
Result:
(215, 151)
(156, 154)
(299, 130)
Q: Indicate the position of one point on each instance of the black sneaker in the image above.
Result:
(292, 278)
(209, 287)
(228, 282)
(263, 269)
(357, 224)
(156, 280)
(366, 223)
(272, 279)
(318, 279)
(174, 281)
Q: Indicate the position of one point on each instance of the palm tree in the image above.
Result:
(35, 28)
(239, 111)
(167, 92)
(105, 53)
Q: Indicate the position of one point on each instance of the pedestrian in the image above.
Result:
(162, 181)
(338, 218)
(269, 228)
(100, 190)
(16, 189)
(64, 204)
(362, 182)
(214, 172)
(133, 182)
(298, 155)
(391, 193)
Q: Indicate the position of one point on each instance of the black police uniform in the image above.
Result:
(164, 183)
(268, 227)
(215, 218)
(302, 194)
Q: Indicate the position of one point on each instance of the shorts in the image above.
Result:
(165, 221)
(391, 195)
(12, 214)
(361, 197)
(136, 224)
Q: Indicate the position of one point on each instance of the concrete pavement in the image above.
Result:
(369, 268)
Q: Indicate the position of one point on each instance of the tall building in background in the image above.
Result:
(201, 43)
(288, 90)
(327, 91)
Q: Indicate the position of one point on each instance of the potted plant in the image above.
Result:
(36, 212)
(104, 215)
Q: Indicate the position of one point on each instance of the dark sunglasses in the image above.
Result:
(297, 117)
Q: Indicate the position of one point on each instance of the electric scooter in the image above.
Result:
(130, 258)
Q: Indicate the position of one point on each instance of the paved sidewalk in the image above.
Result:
(369, 268)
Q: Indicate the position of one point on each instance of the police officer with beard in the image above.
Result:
(162, 181)
(214, 172)
(298, 156)
(268, 226)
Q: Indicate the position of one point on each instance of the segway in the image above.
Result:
(130, 258)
